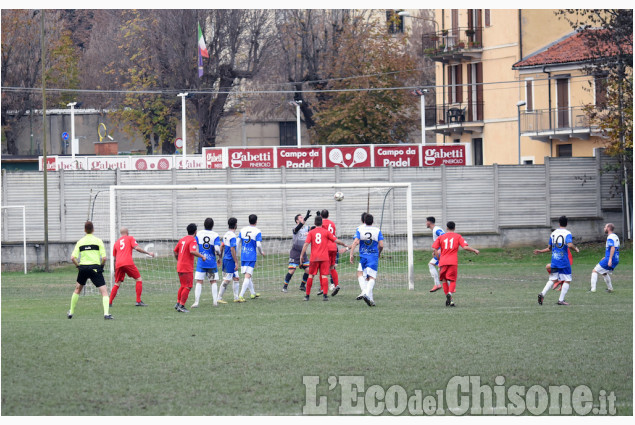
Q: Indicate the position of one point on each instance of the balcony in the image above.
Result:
(457, 118)
(558, 123)
(455, 45)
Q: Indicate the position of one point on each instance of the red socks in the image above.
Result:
(453, 287)
(185, 292)
(336, 279)
(325, 285)
(446, 288)
(309, 283)
(113, 292)
(139, 289)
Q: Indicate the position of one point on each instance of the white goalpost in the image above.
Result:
(157, 216)
(23, 208)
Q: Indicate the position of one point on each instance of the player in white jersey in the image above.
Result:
(560, 242)
(434, 262)
(250, 238)
(208, 244)
(371, 244)
(230, 261)
(611, 259)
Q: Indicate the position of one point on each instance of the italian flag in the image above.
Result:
(202, 51)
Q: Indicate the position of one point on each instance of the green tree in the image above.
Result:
(368, 114)
(64, 69)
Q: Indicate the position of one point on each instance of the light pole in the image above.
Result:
(72, 105)
(518, 105)
(297, 104)
(183, 124)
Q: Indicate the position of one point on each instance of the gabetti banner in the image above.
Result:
(346, 156)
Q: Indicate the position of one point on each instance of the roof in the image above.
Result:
(573, 48)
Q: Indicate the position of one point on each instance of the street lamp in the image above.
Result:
(297, 104)
(422, 95)
(72, 105)
(518, 105)
(183, 126)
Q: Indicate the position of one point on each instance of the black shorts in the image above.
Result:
(93, 272)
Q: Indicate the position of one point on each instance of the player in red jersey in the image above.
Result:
(332, 250)
(447, 247)
(318, 239)
(124, 264)
(184, 252)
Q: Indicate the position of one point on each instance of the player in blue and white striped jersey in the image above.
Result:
(208, 244)
(434, 262)
(560, 242)
(371, 243)
(611, 259)
(250, 238)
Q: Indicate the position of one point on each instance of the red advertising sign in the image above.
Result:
(190, 162)
(348, 157)
(213, 157)
(251, 158)
(433, 156)
(108, 163)
(51, 163)
(151, 163)
(300, 157)
(68, 163)
(397, 156)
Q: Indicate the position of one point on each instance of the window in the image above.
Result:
(600, 84)
(565, 150)
(455, 93)
(394, 22)
(529, 94)
(288, 133)
(477, 148)
(457, 140)
(488, 18)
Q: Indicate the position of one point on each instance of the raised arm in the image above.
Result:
(143, 251)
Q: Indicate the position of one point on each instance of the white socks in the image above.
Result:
(362, 283)
(594, 281)
(565, 288)
(197, 292)
(607, 279)
(547, 288)
(248, 283)
(434, 273)
(215, 292)
(236, 289)
(369, 288)
(223, 286)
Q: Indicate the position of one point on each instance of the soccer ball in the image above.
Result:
(338, 196)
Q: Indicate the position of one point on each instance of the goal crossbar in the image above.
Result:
(407, 186)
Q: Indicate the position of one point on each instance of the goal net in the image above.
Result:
(157, 217)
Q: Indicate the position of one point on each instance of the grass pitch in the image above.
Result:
(249, 359)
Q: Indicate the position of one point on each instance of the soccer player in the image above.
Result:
(318, 239)
(332, 249)
(124, 264)
(560, 242)
(89, 256)
(250, 238)
(371, 244)
(184, 252)
(208, 244)
(434, 262)
(299, 236)
(611, 259)
(230, 259)
(360, 272)
(446, 247)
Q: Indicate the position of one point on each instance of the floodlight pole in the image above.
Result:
(297, 104)
(183, 124)
(72, 105)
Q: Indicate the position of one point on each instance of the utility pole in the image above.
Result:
(45, 164)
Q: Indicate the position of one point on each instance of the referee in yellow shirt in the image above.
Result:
(89, 256)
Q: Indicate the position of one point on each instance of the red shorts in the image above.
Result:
(130, 270)
(322, 266)
(448, 273)
(332, 258)
(187, 279)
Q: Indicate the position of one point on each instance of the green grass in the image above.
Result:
(250, 359)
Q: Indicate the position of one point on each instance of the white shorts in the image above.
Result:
(602, 270)
(560, 276)
(247, 270)
(230, 276)
(368, 272)
(434, 261)
(213, 277)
